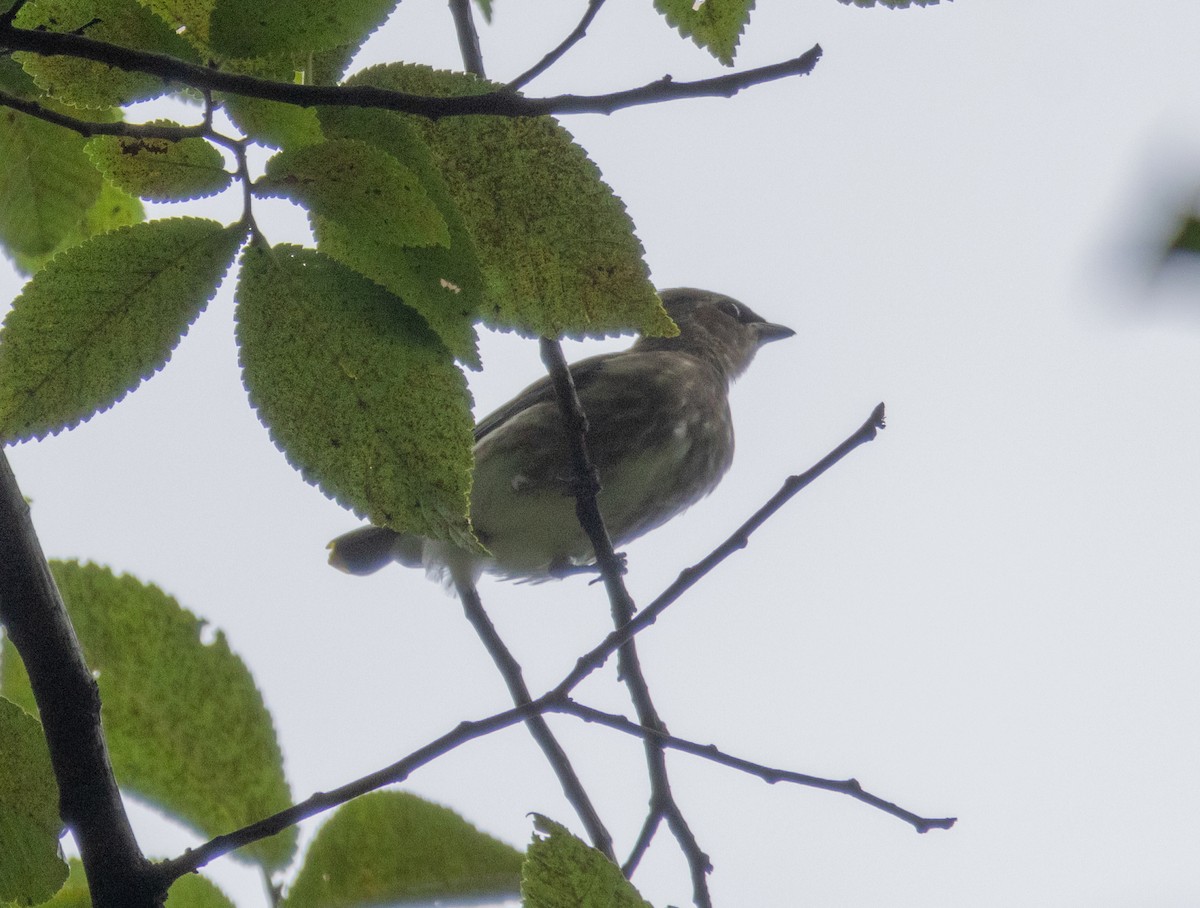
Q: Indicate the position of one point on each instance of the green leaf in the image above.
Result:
(358, 393)
(158, 169)
(74, 893)
(189, 18)
(187, 729)
(361, 187)
(715, 25)
(86, 83)
(112, 209)
(390, 846)
(194, 891)
(282, 125)
(561, 871)
(101, 317)
(251, 28)
(485, 7)
(557, 247)
(273, 123)
(190, 891)
(444, 284)
(47, 183)
(31, 866)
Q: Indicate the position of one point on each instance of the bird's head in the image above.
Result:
(715, 328)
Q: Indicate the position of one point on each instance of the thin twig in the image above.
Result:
(468, 36)
(689, 577)
(68, 702)
(510, 669)
(498, 103)
(555, 55)
(89, 128)
(629, 669)
(195, 858)
(556, 699)
(768, 774)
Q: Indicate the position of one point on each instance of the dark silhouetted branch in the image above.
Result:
(768, 774)
(68, 701)
(629, 669)
(555, 55)
(689, 577)
(468, 36)
(502, 103)
(514, 679)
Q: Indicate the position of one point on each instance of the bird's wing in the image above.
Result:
(542, 390)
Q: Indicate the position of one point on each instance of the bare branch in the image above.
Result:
(68, 702)
(503, 103)
(555, 55)
(514, 679)
(195, 858)
(768, 774)
(89, 128)
(689, 577)
(629, 669)
(468, 36)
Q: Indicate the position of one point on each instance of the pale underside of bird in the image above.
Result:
(660, 435)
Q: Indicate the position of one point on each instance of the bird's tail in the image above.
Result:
(367, 549)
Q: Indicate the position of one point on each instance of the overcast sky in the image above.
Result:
(989, 612)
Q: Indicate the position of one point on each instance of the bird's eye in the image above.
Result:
(732, 309)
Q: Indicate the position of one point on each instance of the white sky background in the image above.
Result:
(989, 612)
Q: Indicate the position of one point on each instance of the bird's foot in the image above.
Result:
(562, 567)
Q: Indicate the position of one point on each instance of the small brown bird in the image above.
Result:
(660, 435)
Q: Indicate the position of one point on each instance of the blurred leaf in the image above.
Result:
(485, 7)
(190, 891)
(103, 316)
(47, 183)
(1187, 239)
(892, 4)
(187, 729)
(112, 209)
(194, 891)
(557, 248)
(715, 25)
(86, 83)
(31, 865)
(359, 394)
(391, 846)
(560, 871)
(158, 169)
(363, 188)
(443, 284)
(74, 893)
(251, 28)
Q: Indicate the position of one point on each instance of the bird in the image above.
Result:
(660, 435)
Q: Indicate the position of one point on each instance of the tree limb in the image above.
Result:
(89, 128)
(556, 54)
(739, 539)
(768, 774)
(468, 36)
(552, 699)
(503, 103)
(629, 669)
(572, 788)
(68, 701)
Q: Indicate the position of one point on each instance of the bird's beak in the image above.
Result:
(769, 331)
